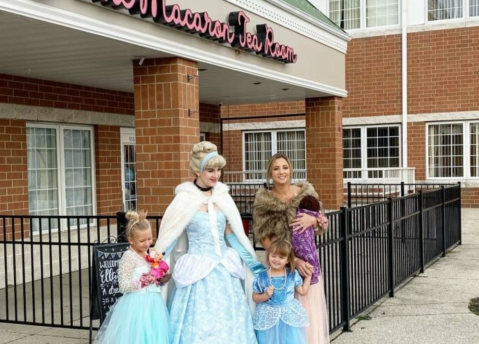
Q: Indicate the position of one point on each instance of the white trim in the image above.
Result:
(82, 23)
(350, 121)
(48, 114)
(444, 116)
(274, 124)
(404, 75)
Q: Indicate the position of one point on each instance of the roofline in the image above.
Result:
(310, 19)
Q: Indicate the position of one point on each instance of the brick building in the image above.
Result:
(412, 110)
(100, 105)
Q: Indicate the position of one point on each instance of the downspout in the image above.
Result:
(404, 83)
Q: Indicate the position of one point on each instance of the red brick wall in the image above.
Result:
(470, 197)
(108, 170)
(13, 167)
(373, 77)
(212, 114)
(13, 175)
(165, 131)
(417, 148)
(35, 92)
(263, 109)
(442, 73)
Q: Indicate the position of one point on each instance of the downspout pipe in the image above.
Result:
(404, 83)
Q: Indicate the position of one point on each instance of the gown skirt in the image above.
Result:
(136, 318)
(212, 310)
(315, 304)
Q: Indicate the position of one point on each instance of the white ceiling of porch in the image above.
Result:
(41, 50)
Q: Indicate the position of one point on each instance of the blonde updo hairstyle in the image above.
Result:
(199, 151)
(136, 222)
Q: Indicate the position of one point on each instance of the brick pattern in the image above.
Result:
(212, 114)
(164, 130)
(470, 197)
(373, 77)
(442, 73)
(416, 147)
(13, 167)
(108, 170)
(35, 92)
(13, 177)
(263, 109)
(325, 149)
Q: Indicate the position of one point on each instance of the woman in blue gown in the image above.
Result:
(209, 303)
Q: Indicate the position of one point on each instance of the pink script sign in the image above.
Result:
(261, 43)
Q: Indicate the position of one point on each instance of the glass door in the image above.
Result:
(128, 168)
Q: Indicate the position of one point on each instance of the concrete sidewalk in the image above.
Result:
(432, 307)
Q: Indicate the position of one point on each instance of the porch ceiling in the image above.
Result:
(41, 50)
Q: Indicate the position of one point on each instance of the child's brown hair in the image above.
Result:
(283, 248)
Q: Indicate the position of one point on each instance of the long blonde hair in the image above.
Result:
(269, 169)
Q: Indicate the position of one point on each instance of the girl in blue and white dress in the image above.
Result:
(210, 302)
(140, 316)
(279, 318)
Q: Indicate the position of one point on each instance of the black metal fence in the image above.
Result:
(367, 193)
(366, 253)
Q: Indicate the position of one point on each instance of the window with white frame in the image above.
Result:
(60, 172)
(453, 150)
(445, 9)
(258, 147)
(368, 151)
(473, 8)
(357, 14)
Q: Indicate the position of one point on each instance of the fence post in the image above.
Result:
(402, 189)
(349, 195)
(460, 212)
(391, 246)
(121, 226)
(443, 213)
(421, 230)
(345, 294)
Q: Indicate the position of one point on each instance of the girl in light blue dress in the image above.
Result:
(279, 318)
(140, 316)
(209, 304)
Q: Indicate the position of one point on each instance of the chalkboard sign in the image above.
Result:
(105, 288)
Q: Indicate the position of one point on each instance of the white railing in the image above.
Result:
(380, 175)
(256, 177)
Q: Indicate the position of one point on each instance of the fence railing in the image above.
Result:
(380, 175)
(366, 253)
(366, 193)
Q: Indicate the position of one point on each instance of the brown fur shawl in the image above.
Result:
(272, 216)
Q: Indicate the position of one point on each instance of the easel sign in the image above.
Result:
(105, 286)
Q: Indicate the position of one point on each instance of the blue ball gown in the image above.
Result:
(209, 304)
(281, 319)
(140, 316)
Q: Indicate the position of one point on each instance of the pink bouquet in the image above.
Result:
(148, 279)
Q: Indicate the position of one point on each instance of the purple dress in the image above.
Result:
(304, 245)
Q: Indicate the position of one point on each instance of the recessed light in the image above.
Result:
(285, 89)
(257, 83)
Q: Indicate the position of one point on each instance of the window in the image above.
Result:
(260, 146)
(453, 150)
(60, 172)
(473, 8)
(356, 14)
(445, 9)
(368, 151)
